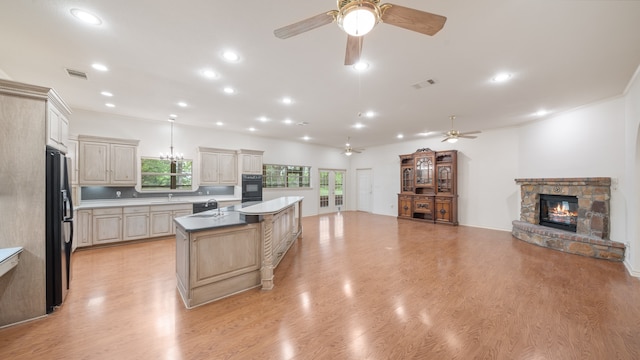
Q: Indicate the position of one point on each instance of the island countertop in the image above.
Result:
(271, 206)
(217, 218)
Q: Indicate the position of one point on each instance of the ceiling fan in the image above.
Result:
(349, 150)
(358, 17)
(453, 135)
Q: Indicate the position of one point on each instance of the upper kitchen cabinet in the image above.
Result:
(57, 125)
(250, 161)
(218, 166)
(107, 161)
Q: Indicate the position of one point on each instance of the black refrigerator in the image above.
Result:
(59, 218)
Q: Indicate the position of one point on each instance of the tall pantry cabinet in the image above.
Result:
(26, 127)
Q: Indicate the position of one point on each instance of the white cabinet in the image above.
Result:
(136, 222)
(72, 161)
(105, 161)
(250, 161)
(57, 128)
(218, 167)
(161, 218)
(107, 225)
(82, 230)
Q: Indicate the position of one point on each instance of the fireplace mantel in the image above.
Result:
(592, 232)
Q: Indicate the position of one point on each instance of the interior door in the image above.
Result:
(365, 190)
(332, 190)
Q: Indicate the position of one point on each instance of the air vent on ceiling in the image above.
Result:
(424, 84)
(77, 74)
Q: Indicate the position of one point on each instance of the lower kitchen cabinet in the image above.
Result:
(161, 218)
(136, 222)
(107, 225)
(82, 232)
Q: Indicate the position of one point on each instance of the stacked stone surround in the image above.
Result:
(592, 235)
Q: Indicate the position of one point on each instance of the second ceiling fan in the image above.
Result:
(358, 17)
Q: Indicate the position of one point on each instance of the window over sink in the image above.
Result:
(163, 175)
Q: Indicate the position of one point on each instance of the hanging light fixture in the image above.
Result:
(171, 156)
(358, 17)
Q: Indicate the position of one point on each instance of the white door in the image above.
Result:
(332, 190)
(365, 190)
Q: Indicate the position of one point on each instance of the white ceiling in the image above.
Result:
(562, 54)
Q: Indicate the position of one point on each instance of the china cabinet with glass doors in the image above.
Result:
(428, 186)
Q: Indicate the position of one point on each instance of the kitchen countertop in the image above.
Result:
(271, 206)
(217, 218)
(176, 200)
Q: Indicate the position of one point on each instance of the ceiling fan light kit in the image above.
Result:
(358, 18)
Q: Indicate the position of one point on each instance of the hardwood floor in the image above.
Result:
(357, 286)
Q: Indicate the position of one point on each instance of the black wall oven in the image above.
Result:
(251, 187)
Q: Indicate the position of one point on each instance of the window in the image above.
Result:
(286, 176)
(158, 175)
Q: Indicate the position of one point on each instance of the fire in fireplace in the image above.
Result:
(559, 211)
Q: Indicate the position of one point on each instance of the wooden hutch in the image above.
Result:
(429, 186)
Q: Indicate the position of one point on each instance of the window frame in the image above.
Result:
(283, 181)
(173, 177)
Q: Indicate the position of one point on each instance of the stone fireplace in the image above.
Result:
(580, 227)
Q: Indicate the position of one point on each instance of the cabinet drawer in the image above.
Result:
(173, 207)
(107, 211)
(423, 205)
(136, 209)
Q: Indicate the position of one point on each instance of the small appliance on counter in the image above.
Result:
(251, 187)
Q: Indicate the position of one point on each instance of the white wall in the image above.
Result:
(631, 186)
(154, 138)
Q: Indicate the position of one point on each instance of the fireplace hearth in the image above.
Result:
(568, 214)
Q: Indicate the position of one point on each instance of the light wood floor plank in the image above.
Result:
(357, 286)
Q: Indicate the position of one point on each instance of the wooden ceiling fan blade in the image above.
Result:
(305, 25)
(412, 19)
(354, 49)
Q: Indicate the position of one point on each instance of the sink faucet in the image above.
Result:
(210, 201)
(170, 196)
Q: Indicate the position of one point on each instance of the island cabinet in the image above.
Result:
(107, 161)
(218, 166)
(428, 186)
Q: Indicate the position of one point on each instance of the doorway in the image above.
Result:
(365, 190)
(331, 190)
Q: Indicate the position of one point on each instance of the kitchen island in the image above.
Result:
(229, 250)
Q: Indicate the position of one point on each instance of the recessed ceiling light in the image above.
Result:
(229, 90)
(230, 56)
(209, 74)
(106, 93)
(173, 116)
(361, 65)
(252, 129)
(109, 105)
(288, 121)
(219, 123)
(400, 136)
(541, 113)
(358, 125)
(306, 138)
(182, 104)
(426, 133)
(502, 77)
(86, 17)
(99, 67)
(369, 114)
(263, 119)
(287, 100)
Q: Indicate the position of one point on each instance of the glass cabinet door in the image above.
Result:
(445, 180)
(424, 171)
(407, 179)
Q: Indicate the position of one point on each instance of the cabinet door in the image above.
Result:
(444, 210)
(405, 204)
(228, 169)
(123, 164)
(161, 223)
(407, 179)
(424, 171)
(93, 163)
(82, 230)
(107, 229)
(423, 207)
(136, 226)
(209, 168)
(72, 155)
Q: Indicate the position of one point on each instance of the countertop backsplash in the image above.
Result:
(109, 193)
